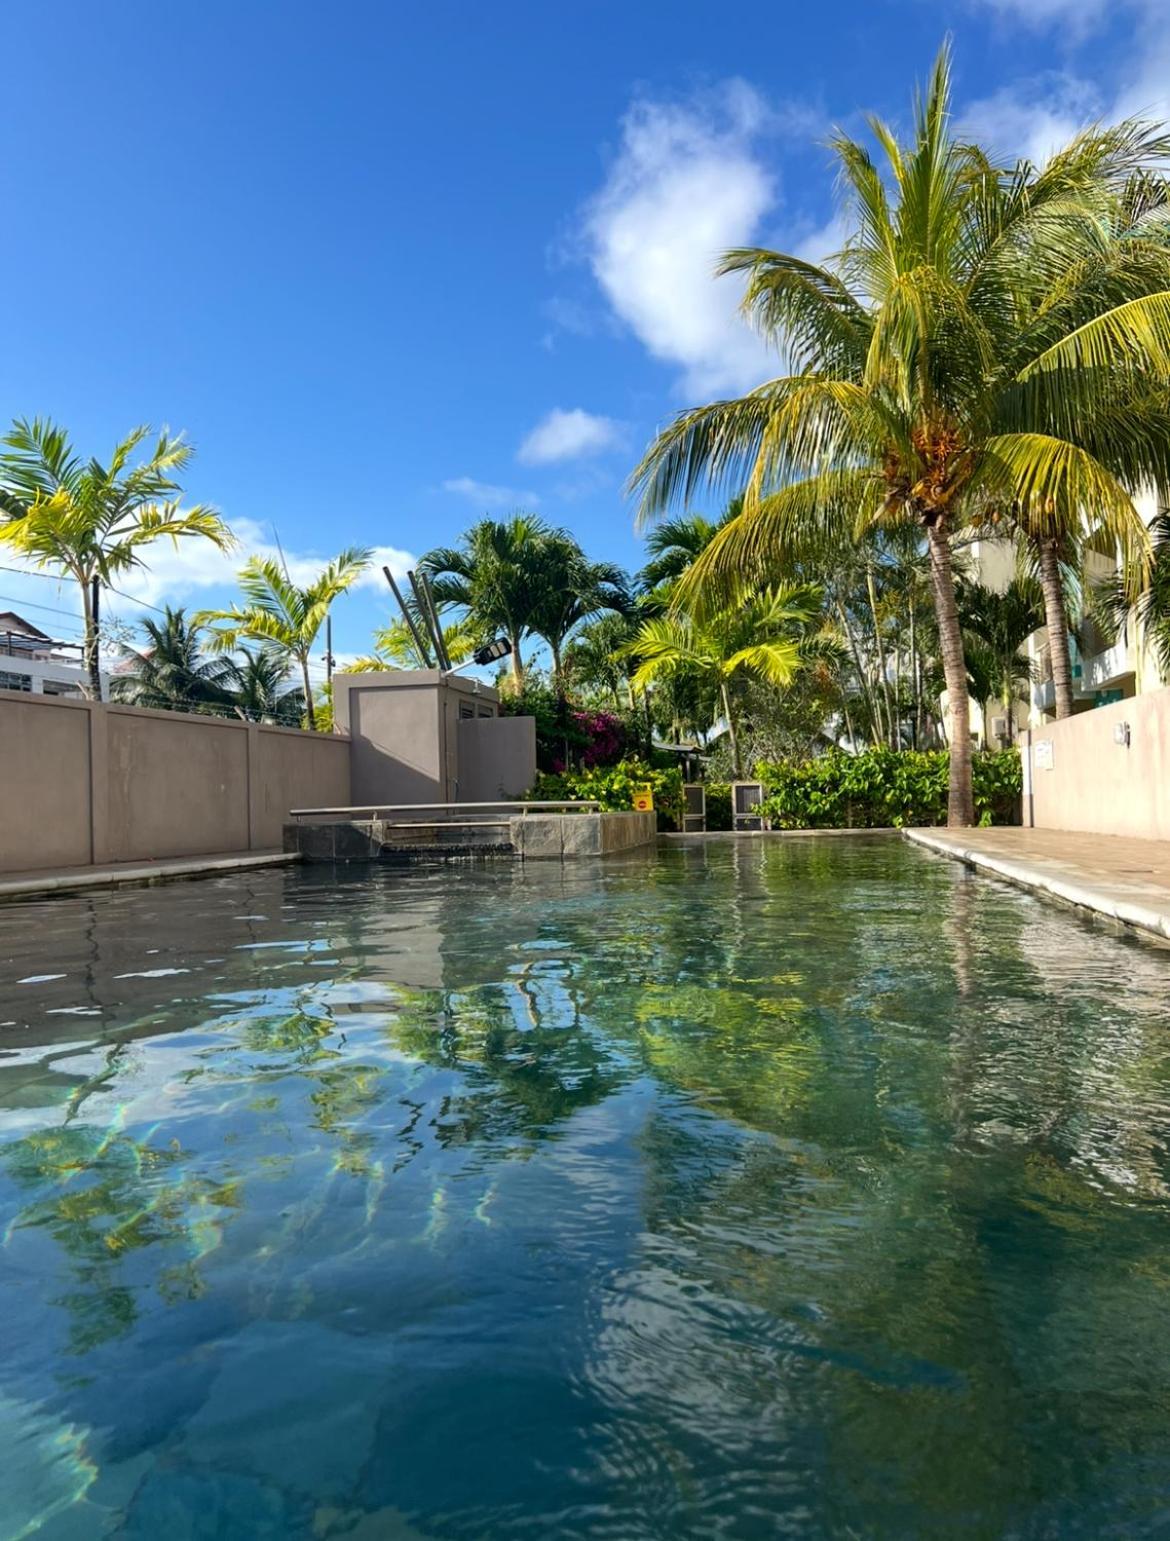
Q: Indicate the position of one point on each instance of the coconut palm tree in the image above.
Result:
(942, 368)
(768, 636)
(92, 521)
(491, 576)
(170, 671)
(282, 617)
(261, 689)
(995, 628)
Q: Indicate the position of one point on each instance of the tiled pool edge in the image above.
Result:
(1096, 899)
(31, 885)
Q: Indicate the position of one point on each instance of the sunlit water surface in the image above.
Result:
(808, 1188)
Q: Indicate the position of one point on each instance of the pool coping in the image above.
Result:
(1102, 901)
(26, 885)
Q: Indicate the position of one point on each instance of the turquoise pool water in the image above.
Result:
(753, 1189)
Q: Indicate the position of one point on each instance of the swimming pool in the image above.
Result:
(749, 1189)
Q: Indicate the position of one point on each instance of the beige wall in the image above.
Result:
(497, 757)
(1097, 784)
(86, 783)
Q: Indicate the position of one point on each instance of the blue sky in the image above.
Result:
(393, 267)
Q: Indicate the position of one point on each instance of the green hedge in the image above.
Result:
(885, 787)
(613, 787)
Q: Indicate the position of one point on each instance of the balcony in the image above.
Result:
(1106, 669)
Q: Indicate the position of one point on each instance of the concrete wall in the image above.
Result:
(497, 758)
(1078, 776)
(90, 783)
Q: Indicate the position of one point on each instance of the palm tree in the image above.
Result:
(396, 648)
(942, 366)
(170, 672)
(571, 589)
(261, 691)
(284, 618)
(1131, 437)
(1118, 606)
(597, 658)
(92, 520)
(490, 575)
(676, 543)
(767, 636)
(995, 627)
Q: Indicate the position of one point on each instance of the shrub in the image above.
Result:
(718, 804)
(613, 787)
(885, 787)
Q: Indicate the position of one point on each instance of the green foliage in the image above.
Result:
(885, 787)
(613, 787)
(718, 804)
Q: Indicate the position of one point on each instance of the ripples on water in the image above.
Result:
(757, 1189)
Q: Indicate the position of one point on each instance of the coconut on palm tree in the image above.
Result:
(283, 617)
(92, 521)
(942, 368)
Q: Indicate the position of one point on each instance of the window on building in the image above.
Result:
(10, 681)
(60, 688)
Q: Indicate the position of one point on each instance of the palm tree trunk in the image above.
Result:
(517, 667)
(90, 606)
(914, 684)
(960, 803)
(732, 736)
(879, 650)
(862, 679)
(1056, 621)
(310, 715)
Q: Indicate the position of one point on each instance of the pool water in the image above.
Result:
(750, 1189)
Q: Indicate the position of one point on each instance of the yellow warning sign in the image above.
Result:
(643, 799)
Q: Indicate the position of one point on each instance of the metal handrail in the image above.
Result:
(375, 810)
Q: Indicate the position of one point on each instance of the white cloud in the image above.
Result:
(1040, 112)
(688, 182)
(1081, 15)
(488, 495)
(569, 435)
(1031, 117)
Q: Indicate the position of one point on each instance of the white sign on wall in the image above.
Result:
(1042, 754)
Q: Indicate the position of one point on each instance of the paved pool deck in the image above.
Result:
(25, 885)
(1122, 880)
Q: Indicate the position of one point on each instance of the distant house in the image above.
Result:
(30, 660)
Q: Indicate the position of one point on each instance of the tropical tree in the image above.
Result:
(1116, 604)
(571, 589)
(261, 687)
(93, 521)
(492, 576)
(395, 647)
(944, 367)
(766, 636)
(281, 616)
(674, 544)
(170, 672)
(597, 659)
(996, 626)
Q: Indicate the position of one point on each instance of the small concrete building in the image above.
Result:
(424, 736)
